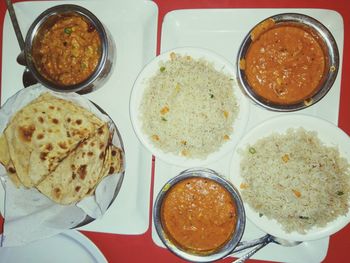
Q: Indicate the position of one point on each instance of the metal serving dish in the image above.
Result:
(330, 49)
(44, 21)
(236, 236)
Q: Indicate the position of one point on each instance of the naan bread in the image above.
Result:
(6, 161)
(4, 151)
(59, 148)
(113, 162)
(104, 170)
(116, 164)
(78, 174)
(11, 172)
(43, 133)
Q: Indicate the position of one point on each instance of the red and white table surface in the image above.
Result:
(141, 247)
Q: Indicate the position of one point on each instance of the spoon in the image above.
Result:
(243, 245)
(28, 79)
(263, 242)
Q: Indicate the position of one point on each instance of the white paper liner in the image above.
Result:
(29, 215)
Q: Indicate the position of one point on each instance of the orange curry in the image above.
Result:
(69, 51)
(199, 215)
(284, 63)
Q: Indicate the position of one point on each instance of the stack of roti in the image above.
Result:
(58, 147)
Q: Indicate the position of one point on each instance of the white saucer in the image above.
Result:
(68, 247)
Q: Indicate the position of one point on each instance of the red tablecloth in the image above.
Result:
(138, 248)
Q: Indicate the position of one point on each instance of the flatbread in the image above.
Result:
(59, 148)
(116, 164)
(104, 171)
(6, 161)
(4, 151)
(78, 174)
(43, 133)
(11, 172)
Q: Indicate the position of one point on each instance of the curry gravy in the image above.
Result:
(69, 51)
(199, 215)
(285, 63)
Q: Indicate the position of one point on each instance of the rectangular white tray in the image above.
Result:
(133, 25)
(222, 31)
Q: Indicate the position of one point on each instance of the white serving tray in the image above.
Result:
(133, 25)
(222, 31)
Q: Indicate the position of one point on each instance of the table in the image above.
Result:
(134, 248)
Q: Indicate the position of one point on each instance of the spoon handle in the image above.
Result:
(251, 252)
(15, 24)
(247, 244)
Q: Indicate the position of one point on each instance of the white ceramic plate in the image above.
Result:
(221, 64)
(69, 247)
(328, 133)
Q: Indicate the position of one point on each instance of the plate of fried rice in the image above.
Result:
(186, 107)
(293, 174)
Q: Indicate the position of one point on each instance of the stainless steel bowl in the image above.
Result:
(331, 53)
(44, 21)
(221, 252)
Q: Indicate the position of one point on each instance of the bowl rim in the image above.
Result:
(58, 10)
(210, 174)
(332, 53)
